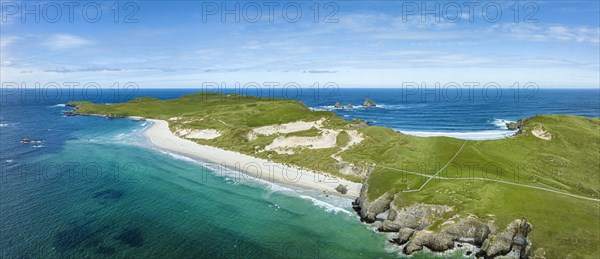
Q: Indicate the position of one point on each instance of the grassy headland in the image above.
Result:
(525, 176)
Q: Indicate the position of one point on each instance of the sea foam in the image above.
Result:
(468, 135)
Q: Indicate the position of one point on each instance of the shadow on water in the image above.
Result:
(105, 250)
(82, 235)
(131, 236)
(110, 194)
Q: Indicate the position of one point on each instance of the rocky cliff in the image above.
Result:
(414, 225)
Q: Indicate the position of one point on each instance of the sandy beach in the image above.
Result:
(161, 136)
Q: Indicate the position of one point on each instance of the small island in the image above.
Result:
(500, 197)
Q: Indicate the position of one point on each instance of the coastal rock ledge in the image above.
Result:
(420, 226)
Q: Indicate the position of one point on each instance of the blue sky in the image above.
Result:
(362, 44)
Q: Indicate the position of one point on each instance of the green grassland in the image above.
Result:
(569, 162)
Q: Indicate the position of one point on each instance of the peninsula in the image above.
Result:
(535, 194)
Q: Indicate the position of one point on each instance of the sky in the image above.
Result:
(182, 44)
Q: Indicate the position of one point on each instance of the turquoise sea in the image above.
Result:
(93, 188)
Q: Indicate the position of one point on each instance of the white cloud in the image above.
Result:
(537, 32)
(8, 40)
(66, 41)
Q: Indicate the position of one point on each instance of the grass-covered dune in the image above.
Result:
(547, 174)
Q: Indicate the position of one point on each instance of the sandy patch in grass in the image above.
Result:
(198, 134)
(284, 128)
(355, 138)
(204, 134)
(282, 145)
(541, 133)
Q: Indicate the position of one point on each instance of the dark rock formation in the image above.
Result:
(114, 116)
(368, 103)
(513, 238)
(341, 189)
(469, 231)
(369, 209)
(416, 216)
(390, 226)
(26, 140)
(357, 123)
(516, 125)
(411, 222)
(404, 235)
(138, 120)
(338, 105)
(437, 242)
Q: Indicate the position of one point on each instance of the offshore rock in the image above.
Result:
(368, 103)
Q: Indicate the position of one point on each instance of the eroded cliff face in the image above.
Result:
(415, 231)
(367, 209)
(513, 239)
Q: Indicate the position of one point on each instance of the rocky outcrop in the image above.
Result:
(413, 223)
(69, 113)
(26, 140)
(368, 103)
(516, 125)
(512, 239)
(114, 116)
(404, 235)
(437, 242)
(357, 123)
(465, 231)
(369, 209)
(416, 216)
(350, 169)
(469, 231)
(341, 189)
(338, 105)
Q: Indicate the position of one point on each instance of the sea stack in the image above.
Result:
(369, 103)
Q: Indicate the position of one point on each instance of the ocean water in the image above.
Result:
(92, 188)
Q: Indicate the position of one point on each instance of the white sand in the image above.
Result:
(326, 140)
(541, 133)
(285, 128)
(199, 134)
(160, 135)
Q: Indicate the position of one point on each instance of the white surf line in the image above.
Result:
(442, 169)
(491, 180)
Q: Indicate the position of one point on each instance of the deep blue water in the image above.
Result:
(92, 189)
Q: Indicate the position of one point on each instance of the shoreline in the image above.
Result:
(480, 135)
(161, 136)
